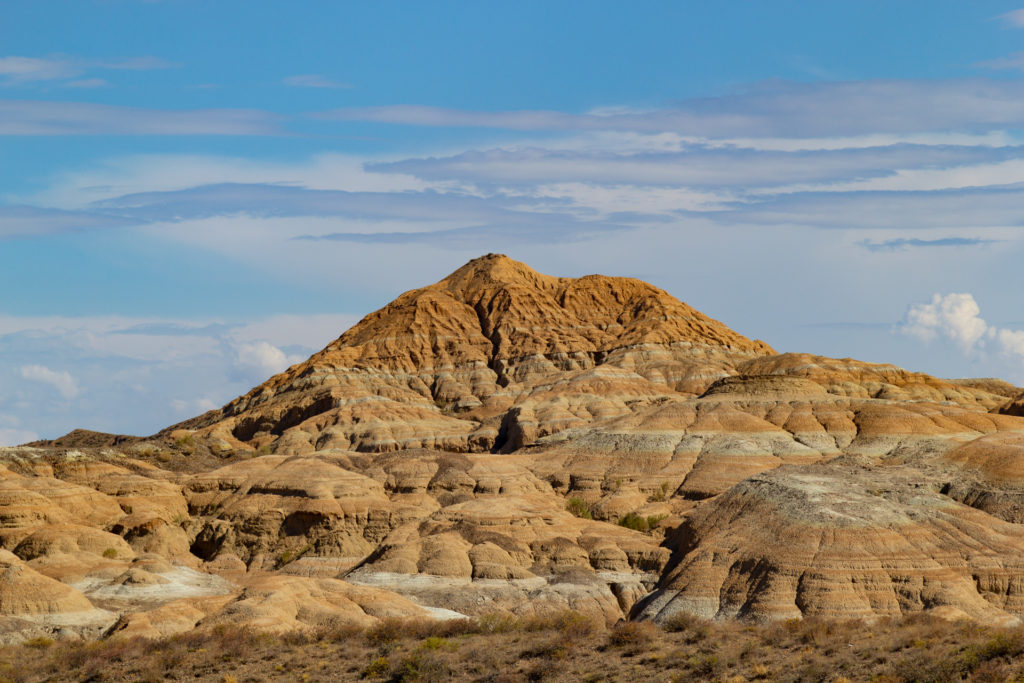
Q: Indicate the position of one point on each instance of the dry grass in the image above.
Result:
(563, 646)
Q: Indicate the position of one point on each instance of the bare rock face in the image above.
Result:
(841, 541)
(26, 592)
(269, 510)
(466, 365)
(506, 441)
(856, 379)
(1013, 407)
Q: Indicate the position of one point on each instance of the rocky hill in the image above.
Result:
(506, 441)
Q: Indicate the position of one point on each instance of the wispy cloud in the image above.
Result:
(141, 374)
(33, 117)
(774, 108)
(60, 380)
(1013, 18)
(314, 81)
(902, 244)
(26, 69)
(20, 221)
(14, 437)
(88, 83)
(696, 165)
(18, 70)
(1014, 61)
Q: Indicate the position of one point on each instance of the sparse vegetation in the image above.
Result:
(639, 523)
(110, 553)
(39, 642)
(579, 507)
(186, 444)
(662, 493)
(559, 646)
(289, 556)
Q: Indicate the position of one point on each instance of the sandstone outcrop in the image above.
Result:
(444, 366)
(1013, 407)
(506, 441)
(841, 541)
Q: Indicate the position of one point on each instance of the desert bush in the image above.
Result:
(681, 622)
(662, 493)
(703, 665)
(760, 671)
(635, 522)
(495, 623)
(39, 642)
(186, 444)
(579, 508)
(378, 668)
(633, 636)
(423, 666)
(436, 643)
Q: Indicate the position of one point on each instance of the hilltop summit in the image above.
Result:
(445, 366)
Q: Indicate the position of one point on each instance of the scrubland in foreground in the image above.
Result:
(564, 646)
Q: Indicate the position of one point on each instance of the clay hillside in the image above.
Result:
(508, 442)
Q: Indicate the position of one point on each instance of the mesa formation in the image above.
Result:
(504, 441)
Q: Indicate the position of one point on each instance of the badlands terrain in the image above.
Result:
(507, 444)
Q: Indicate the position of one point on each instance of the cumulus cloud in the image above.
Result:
(957, 318)
(62, 381)
(264, 358)
(953, 316)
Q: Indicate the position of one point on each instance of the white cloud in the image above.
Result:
(121, 176)
(957, 318)
(88, 83)
(143, 374)
(14, 437)
(37, 117)
(62, 381)
(193, 407)
(1014, 18)
(17, 70)
(1012, 342)
(25, 69)
(264, 358)
(314, 81)
(1007, 172)
(769, 109)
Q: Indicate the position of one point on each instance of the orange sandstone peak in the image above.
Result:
(445, 363)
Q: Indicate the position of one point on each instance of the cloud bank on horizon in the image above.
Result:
(186, 218)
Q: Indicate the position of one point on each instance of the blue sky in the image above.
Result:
(195, 194)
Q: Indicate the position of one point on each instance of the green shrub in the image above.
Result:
(662, 493)
(378, 668)
(579, 507)
(110, 553)
(639, 523)
(435, 643)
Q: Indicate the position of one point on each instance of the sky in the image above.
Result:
(196, 194)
